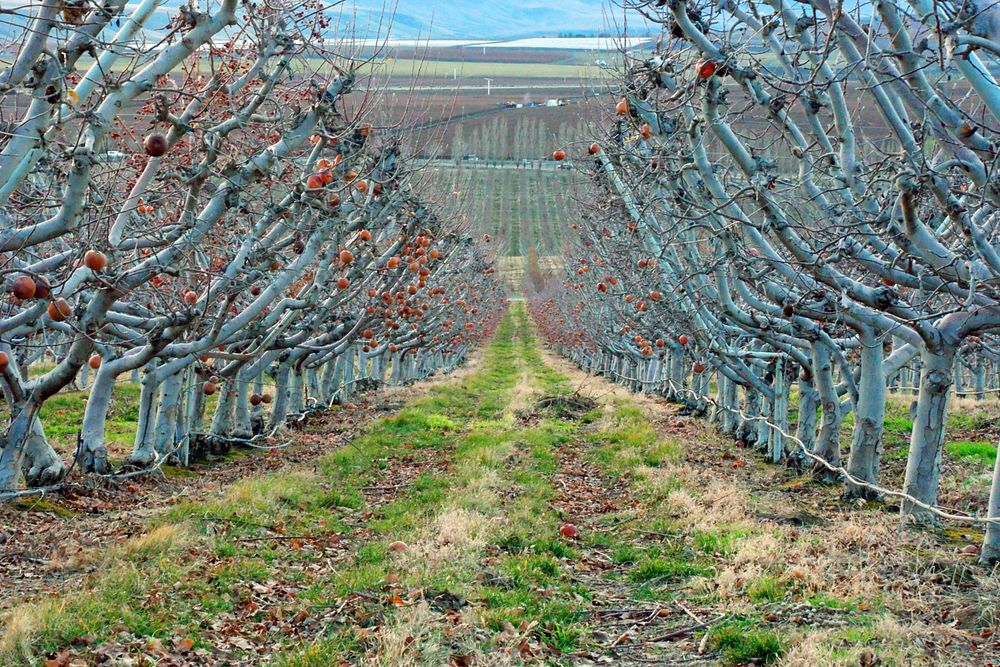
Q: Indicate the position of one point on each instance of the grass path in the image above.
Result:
(517, 514)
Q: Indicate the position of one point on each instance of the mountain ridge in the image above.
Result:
(466, 19)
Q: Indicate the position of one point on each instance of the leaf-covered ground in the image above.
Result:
(519, 513)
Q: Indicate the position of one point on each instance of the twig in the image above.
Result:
(273, 537)
(683, 631)
(688, 612)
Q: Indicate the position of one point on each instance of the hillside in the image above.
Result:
(467, 18)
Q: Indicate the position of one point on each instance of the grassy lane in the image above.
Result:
(516, 514)
(242, 577)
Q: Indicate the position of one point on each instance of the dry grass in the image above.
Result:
(524, 393)
(17, 628)
(411, 638)
(603, 392)
(21, 625)
(720, 504)
(881, 590)
(990, 404)
(157, 542)
(889, 640)
(454, 540)
(416, 637)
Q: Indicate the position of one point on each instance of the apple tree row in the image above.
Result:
(794, 196)
(209, 207)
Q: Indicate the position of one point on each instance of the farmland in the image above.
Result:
(489, 352)
(444, 69)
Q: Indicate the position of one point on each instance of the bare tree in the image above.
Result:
(798, 194)
(210, 208)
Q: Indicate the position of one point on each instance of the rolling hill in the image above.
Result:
(489, 20)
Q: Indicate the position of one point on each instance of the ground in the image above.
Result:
(518, 512)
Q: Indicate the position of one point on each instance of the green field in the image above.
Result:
(522, 210)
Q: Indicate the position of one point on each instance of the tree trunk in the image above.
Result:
(93, 449)
(978, 379)
(869, 420)
(750, 426)
(143, 452)
(12, 454)
(196, 402)
(312, 383)
(347, 386)
(296, 392)
(730, 412)
(779, 411)
(280, 411)
(677, 376)
(242, 427)
(257, 411)
(166, 416)
(828, 442)
(805, 427)
(718, 418)
(990, 555)
(225, 410)
(327, 380)
(42, 465)
(923, 465)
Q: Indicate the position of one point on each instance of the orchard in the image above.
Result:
(286, 385)
(789, 252)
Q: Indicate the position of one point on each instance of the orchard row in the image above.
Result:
(211, 217)
(703, 270)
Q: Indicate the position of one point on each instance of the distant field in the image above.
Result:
(401, 68)
(557, 56)
(558, 43)
(608, 44)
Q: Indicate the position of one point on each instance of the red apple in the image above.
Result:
(569, 530)
(155, 144)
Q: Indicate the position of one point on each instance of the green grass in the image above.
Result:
(716, 541)
(963, 421)
(40, 504)
(831, 602)
(667, 567)
(766, 589)
(742, 643)
(62, 416)
(629, 441)
(165, 587)
(493, 469)
(307, 502)
(983, 452)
